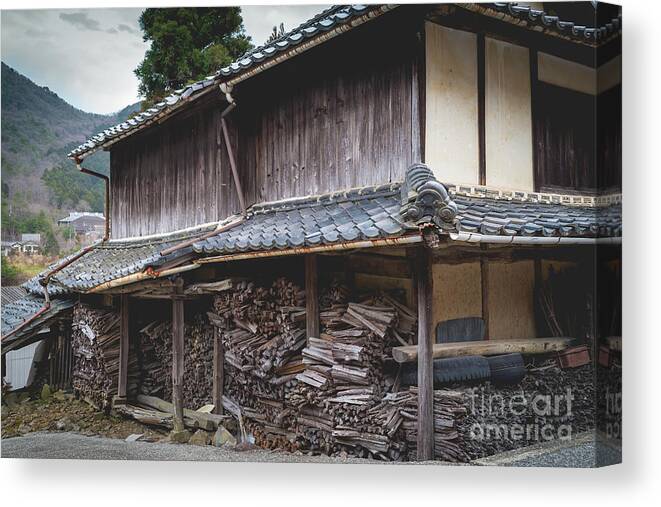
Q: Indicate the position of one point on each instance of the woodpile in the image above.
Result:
(156, 361)
(328, 394)
(95, 349)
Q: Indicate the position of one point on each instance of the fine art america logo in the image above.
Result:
(520, 417)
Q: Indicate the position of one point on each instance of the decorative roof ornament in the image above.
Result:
(425, 200)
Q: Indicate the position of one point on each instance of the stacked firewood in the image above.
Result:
(320, 394)
(95, 347)
(262, 327)
(156, 363)
(449, 411)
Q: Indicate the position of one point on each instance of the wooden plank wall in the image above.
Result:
(320, 128)
(342, 116)
(175, 176)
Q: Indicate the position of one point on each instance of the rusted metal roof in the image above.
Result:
(15, 314)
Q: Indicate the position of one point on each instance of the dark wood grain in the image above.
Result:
(123, 345)
(218, 372)
(311, 296)
(424, 286)
(178, 358)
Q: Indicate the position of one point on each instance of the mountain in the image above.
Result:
(38, 130)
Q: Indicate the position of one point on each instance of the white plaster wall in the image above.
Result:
(508, 117)
(451, 131)
(577, 77)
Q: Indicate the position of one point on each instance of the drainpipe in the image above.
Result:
(227, 90)
(44, 280)
(222, 227)
(107, 189)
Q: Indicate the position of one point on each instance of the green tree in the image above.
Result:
(187, 44)
(70, 188)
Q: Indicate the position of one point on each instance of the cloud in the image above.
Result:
(111, 30)
(81, 20)
(38, 34)
(122, 27)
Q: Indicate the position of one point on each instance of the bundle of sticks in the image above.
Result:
(95, 348)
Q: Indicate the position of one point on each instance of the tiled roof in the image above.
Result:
(395, 209)
(16, 313)
(12, 293)
(75, 215)
(319, 24)
(537, 19)
(515, 218)
(366, 213)
(114, 259)
(322, 22)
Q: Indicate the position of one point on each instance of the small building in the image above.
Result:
(84, 222)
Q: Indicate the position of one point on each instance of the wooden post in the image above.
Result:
(484, 282)
(178, 356)
(481, 110)
(424, 286)
(123, 346)
(311, 296)
(218, 372)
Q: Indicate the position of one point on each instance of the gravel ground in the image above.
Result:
(580, 453)
(75, 446)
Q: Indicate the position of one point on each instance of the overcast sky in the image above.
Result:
(87, 56)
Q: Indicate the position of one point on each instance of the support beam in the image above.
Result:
(123, 346)
(311, 296)
(481, 110)
(424, 287)
(178, 356)
(218, 372)
(484, 281)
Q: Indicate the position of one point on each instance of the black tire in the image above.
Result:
(507, 369)
(451, 370)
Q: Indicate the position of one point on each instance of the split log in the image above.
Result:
(484, 348)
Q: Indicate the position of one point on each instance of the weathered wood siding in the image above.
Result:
(341, 116)
(335, 120)
(174, 176)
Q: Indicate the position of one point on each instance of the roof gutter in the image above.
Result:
(470, 237)
(148, 274)
(347, 245)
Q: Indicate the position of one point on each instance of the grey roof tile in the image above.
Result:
(113, 259)
(14, 314)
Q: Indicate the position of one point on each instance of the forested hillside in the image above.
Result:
(38, 129)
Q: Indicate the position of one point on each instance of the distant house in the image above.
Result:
(84, 222)
(29, 244)
(10, 247)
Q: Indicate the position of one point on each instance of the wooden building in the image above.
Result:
(457, 152)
